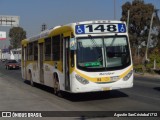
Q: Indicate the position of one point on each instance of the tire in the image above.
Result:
(31, 80)
(57, 90)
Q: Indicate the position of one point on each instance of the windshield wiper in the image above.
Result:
(100, 58)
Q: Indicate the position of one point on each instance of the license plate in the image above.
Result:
(106, 89)
(14, 67)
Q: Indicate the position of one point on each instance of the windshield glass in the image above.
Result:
(12, 61)
(102, 53)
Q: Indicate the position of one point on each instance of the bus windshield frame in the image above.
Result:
(103, 53)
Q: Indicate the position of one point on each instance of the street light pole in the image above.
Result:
(149, 35)
(44, 27)
(114, 9)
(128, 20)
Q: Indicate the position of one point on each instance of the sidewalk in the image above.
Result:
(147, 75)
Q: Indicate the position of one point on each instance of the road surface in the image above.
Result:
(17, 95)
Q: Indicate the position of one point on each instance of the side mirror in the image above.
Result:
(73, 44)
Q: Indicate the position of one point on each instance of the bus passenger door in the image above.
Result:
(66, 63)
(40, 62)
(24, 64)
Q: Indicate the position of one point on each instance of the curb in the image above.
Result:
(147, 75)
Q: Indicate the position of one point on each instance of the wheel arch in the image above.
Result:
(29, 74)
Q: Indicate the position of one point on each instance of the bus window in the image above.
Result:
(48, 48)
(35, 50)
(56, 48)
(22, 53)
(116, 52)
(30, 51)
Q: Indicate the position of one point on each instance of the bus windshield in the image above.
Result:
(103, 53)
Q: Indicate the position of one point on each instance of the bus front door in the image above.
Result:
(41, 70)
(66, 63)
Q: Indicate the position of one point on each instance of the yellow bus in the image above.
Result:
(79, 57)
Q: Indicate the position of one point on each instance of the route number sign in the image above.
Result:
(100, 28)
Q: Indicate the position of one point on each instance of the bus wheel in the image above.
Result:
(57, 86)
(31, 80)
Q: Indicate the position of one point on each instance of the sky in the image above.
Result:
(34, 13)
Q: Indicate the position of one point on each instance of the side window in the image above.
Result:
(27, 52)
(30, 51)
(22, 51)
(56, 48)
(35, 46)
(48, 49)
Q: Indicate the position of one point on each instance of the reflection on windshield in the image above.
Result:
(90, 53)
(102, 53)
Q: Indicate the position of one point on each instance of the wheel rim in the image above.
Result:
(32, 84)
(57, 87)
(31, 80)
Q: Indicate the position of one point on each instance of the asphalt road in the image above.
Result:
(17, 95)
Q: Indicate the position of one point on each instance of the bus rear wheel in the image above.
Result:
(31, 80)
(57, 90)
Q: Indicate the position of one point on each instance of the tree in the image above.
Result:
(16, 34)
(139, 26)
(10, 47)
(140, 17)
(157, 23)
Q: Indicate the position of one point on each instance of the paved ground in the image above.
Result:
(17, 95)
(147, 75)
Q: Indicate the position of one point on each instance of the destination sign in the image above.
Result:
(100, 28)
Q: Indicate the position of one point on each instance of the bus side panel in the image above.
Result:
(48, 75)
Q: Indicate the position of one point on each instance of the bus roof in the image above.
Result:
(100, 21)
(53, 31)
(65, 28)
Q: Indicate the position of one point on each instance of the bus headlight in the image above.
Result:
(128, 75)
(81, 80)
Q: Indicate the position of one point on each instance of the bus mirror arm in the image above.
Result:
(72, 58)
